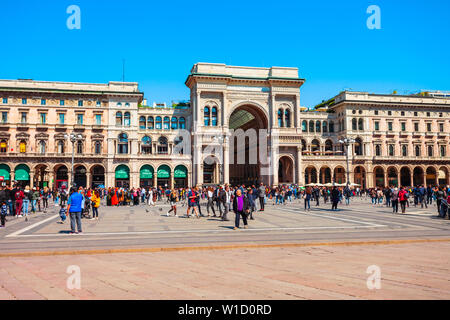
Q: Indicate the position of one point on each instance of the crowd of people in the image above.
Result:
(243, 200)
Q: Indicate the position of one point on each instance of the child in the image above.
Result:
(3, 212)
(63, 213)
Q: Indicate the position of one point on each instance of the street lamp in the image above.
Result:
(347, 142)
(73, 138)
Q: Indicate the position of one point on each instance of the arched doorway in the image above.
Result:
(146, 176)
(405, 177)
(285, 170)
(163, 175)
(62, 177)
(79, 177)
(360, 176)
(310, 175)
(22, 175)
(210, 170)
(418, 176)
(378, 174)
(248, 171)
(339, 175)
(41, 176)
(443, 177)
(5, 175)
(392, 177)
(122, 176)
(180, 175)
(98, 176)
(431, 177)
(325, 175)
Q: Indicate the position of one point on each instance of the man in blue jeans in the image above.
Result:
(74, 209)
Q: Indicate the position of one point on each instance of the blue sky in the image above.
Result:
(160, 40)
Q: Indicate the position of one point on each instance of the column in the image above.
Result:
(412, 176)
(198, 165)
(226, 162)
(88, 179)
(51, 180)
(155, 179)
(31, 179)
(274, 173)
(386, 182)
(299, 166)
(172, 180)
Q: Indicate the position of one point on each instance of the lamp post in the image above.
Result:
(73, 138)
(347, 142)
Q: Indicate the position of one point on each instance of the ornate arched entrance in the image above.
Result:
(245, 160)
(285, 170)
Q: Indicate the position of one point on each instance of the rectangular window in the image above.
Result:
(24, 101)
(376, 112)
(61, 118)
(415, 114)
(99, 104)
(80, 103)
(4, 117)
(403, 124)
(98, 119)
(429, 127)
(5, 100)
(61, 102)
(377, 125)
(390, 126)
(441, 127)
(79, 119)
(23, 118)
(43, 102)
(416, 126)
(43, 118)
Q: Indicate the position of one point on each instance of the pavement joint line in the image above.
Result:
(18, 232)
(217, 247)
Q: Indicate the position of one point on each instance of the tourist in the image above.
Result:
(19, 196)
(334, 198)
(63, 214)
(173, 203)
(3, 213)
(439, 197)
(262, 196)
(45, 196)
(210, 204)
(75, 207)
(402, 198)
(192, 202)
(26, 201)
(95, 202)
(394, 200)
(307, 197)
(240, 208)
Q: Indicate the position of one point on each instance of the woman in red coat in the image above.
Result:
(115, 199)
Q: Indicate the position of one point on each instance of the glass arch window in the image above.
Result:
(311, 126)
(127, 119)
(150, 123)
(360, 124)
(163, 146)
(158, 123)
(42, 147)
(214, 117)
(79, 147)
(98, 147)
(325, 126)
(119, 119)
(22, 147)
(304, 126)
(166, 123)
(123, 143)
(280, 118)
(318, 126)
(182, 123)
(142, 123)
(146, 145)
(287, 118)
(174, 125)
(417, 151)
(354, 124)
(206, 115)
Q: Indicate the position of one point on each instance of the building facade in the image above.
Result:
(394, 139)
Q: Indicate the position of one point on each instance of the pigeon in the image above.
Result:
(146, 210)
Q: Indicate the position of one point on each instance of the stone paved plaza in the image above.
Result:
(318, 254)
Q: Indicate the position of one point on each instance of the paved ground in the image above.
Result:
(307, 264)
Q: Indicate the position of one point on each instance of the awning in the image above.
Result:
(122, 172)
(180, 172)
(164, 172)
(22, 173)
(146, 172)
(4, 171)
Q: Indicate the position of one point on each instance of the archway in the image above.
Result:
(41, 175)
(310, 175)
(5, 174)
(285, 170)
(98, 176)
(245, 165)
(443, 177)
(22, 175)
(62, 177)
(418, 176)
(80, 177)
(431, 179)
(360, 176)
(325, 175)
(392, 177)
(163, 175)
(146, 176)
(180, 175)
(210, 170)
(379, 177)
(122, 176)
(405, 177)
(339, 175)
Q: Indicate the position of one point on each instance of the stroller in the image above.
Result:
(87, 208)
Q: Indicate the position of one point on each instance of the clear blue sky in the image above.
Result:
(327, 40)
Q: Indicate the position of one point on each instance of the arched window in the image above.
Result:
(98, 147)
(150, 123)
(119, 119)
(331, 126)
(174, 123)
(354, 124)
(304, 126)
(166, 123)
(158, 123)
(119, 104)
(123, 143)
(79, 147)
(163, 146)
(318, 127)
(177, 141)
(430, 151)
(287, 118)
(328, 145)
(22, 147)
(182, 123)
(325, 126)
(142, 123)
(311, 126)
(42, 147)
(417, 151)
(280, 118)
(214, 117)
(127, 119)
(360, 124)
(206, 115)
(315, 145)
(60, 147)
(146, 145)
(358, 147)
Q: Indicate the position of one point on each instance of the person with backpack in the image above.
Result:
(402, 198)
(173, 203)
(19, 196)
(439, 197)
(394, 200)
(3, 213)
